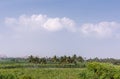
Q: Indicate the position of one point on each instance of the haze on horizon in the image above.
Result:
(89, 28)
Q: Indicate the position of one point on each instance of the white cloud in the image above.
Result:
(43, 22)
(100, 30)
(37, 22)
(54, 24)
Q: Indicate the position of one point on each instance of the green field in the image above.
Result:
(64, 67)
(93, 70)
(40, 73)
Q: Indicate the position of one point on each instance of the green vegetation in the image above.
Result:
(41, 73)
(93, 70)
(56, 60)
(64, 67)
(44, 62)
(97, 70)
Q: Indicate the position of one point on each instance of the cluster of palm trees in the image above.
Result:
(33, 59)
(56, 60)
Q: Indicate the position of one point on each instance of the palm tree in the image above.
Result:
(30, 58)
(69, 60)
(80, 59)
(54, 59)
(36, 60)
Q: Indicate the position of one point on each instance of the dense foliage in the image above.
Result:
(105, 60)
(56, 60)
(97, 70)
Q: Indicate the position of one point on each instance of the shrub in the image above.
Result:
(97, 70)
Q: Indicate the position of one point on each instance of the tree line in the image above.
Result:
(105, 60)
(70, 59)
(74, 59)
(56, 60)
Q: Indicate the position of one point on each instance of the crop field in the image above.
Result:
(40, 73)
(65, 67)
(93, 70)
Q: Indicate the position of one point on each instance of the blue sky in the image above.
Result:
(89, 28)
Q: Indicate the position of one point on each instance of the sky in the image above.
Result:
(89, 28)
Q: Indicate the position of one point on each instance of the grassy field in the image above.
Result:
(40, 73)
(92, 70)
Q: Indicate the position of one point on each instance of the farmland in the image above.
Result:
(93, 70)
(40, 73)
(66, 67)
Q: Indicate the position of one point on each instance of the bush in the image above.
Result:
(97, 70)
